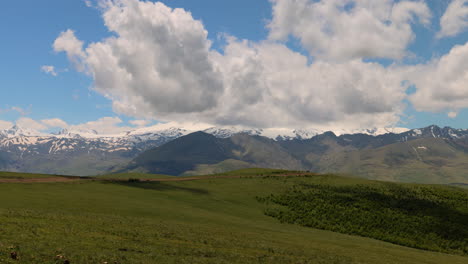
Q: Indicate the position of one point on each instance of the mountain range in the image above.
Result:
(431, 154)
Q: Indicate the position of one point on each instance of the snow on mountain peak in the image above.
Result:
(167, 131)
(225, 132)
(76, 133)
(16, 131)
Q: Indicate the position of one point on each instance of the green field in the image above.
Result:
(202, 221)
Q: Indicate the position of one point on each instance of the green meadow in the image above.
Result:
(211, 220)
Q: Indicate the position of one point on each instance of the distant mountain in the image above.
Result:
(86, 152)
(75, 152)
(429, 155)
(372, 153)
(195, 152)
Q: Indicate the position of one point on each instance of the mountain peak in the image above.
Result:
(17, 131)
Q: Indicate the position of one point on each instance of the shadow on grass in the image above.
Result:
(160, 186)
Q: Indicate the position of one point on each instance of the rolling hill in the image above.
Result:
(218, 220)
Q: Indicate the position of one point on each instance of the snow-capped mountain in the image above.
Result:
(25, 149)
(30, 141)
(16, 131)
(76, 151)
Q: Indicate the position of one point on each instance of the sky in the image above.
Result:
(116, 65)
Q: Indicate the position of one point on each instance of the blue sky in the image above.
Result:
(29, 29)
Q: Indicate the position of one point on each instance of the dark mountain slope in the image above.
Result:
(183, 154)
(264, 152)
(199, 153)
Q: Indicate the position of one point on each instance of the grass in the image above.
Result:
(204, 221)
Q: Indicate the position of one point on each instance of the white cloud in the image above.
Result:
(159, 65)
(452, 114)
(349, 29)
(20, 110)
(140, 123)
(88, 3)
(442, 83)
(160, 60)
(29, 123)
(455, 19)
(265, 89)
(54, 122)
(49, 70)
(67, 42)
(104, 126)
(5, 124)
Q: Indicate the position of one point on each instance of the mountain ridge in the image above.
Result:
(85, 152)
(427, 155)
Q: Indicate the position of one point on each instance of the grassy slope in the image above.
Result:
(207, 221)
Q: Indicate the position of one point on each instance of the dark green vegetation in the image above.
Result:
(201, 221)
(426, 217)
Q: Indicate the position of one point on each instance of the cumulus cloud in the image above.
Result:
(140, 123)
(54, 122)
(349, 29)
(29, 123)
(159, 60)
(455, 19)
(160, 65)
(49, 70)
(265, 89)
(442, 83)
(104, 126)
(5, 124)
(67, 42)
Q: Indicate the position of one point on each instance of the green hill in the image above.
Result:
(212, 220)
